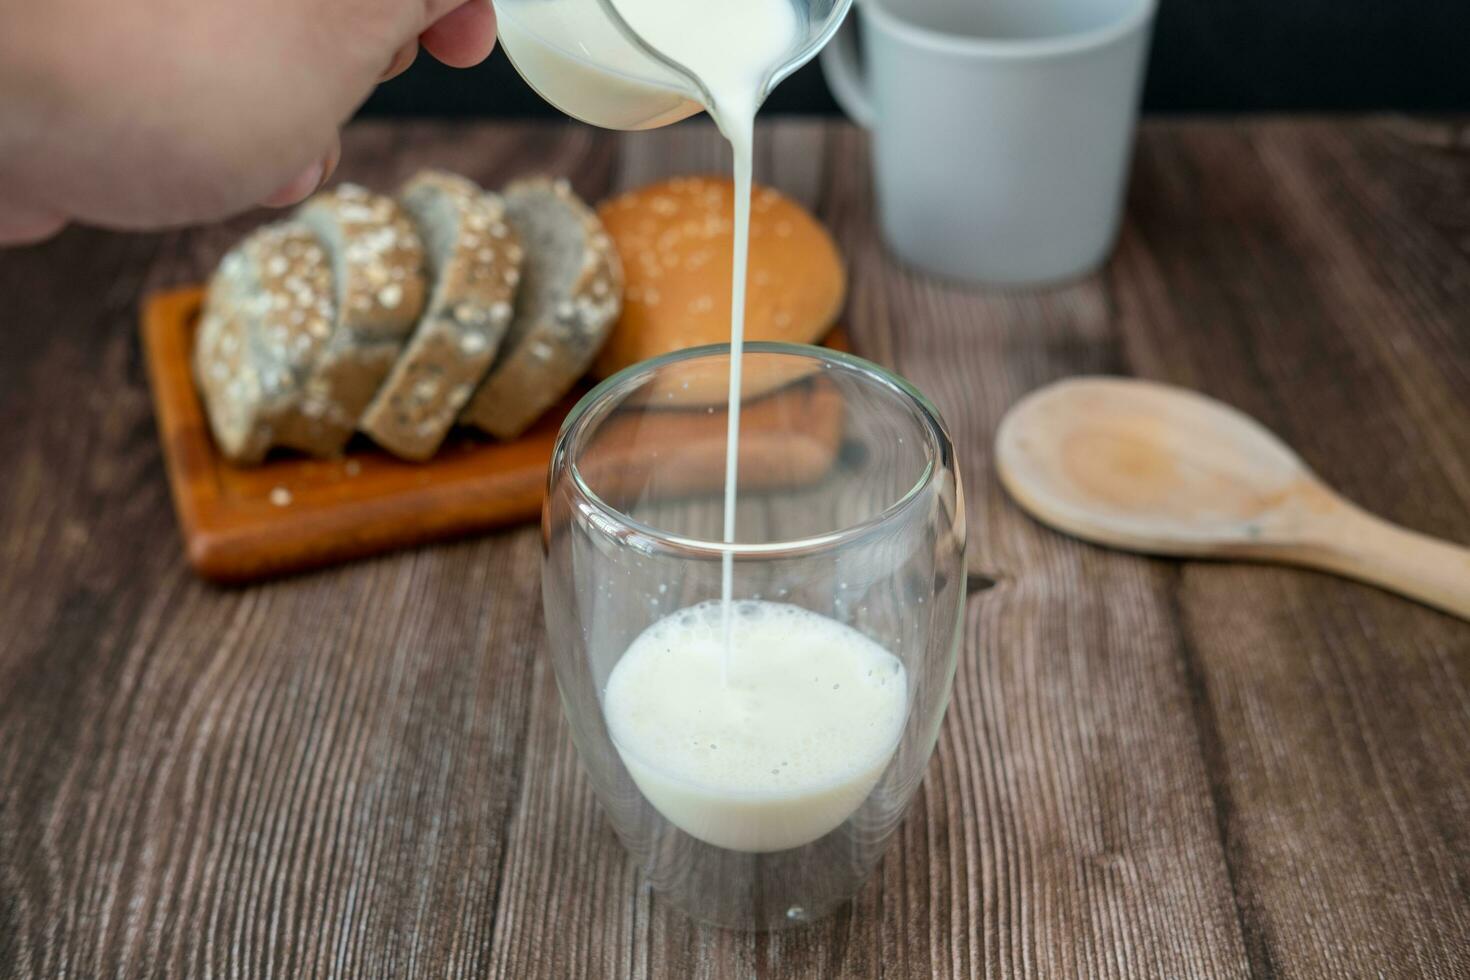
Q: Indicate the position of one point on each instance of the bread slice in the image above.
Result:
(570, 294)
(241, 414)
(378, 275)
(473, 259)
(377, 259)
(268, 314)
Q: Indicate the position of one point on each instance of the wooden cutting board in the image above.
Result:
(292, 513)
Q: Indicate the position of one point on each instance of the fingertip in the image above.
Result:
(25, 226)
(330, 161)
(300, 187)
(464, 37)
(403, 59)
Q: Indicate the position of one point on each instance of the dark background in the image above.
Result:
(1208, 56)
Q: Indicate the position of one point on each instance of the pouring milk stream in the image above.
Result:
(755, 726)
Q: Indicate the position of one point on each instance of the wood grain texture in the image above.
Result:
(1150, 768)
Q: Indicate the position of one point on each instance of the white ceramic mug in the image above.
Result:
(1002, 129)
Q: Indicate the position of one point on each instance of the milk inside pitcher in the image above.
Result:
(583, 58)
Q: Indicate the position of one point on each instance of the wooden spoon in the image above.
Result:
(1152, 468)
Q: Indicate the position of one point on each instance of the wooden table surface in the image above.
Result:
(1150, 768)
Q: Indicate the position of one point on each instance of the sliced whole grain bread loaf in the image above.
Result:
(378, 277)
(473, 260)
(570, 294)
(268, 314)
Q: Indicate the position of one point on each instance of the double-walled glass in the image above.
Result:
(850, 507)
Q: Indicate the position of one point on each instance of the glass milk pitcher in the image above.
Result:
(584, 58)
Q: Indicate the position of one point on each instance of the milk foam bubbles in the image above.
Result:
(779, 755)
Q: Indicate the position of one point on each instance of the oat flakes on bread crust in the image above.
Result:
(268, 314)
(377, 258)
(378, 277)
(570, 294)
(473, 262)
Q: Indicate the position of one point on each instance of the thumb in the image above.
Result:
(464, 36)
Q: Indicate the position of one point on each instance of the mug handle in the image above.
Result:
(844, 77)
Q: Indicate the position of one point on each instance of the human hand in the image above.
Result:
(160, 112)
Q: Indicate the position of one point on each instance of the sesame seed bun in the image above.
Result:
(675, 241)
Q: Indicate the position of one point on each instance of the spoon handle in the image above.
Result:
(1352, 542)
